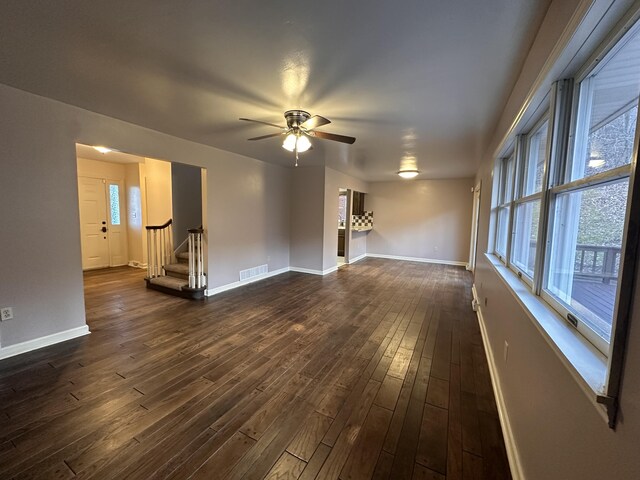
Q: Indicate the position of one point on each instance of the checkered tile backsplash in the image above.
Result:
(365, 220)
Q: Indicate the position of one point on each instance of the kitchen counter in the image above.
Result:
(361, 229)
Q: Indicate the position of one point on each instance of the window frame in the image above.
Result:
(504, 203)
(521, 199)
(564, 115)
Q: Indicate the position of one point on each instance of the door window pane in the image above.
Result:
(536, 156)
(525, 239)
(114, 204)
(585, 252)
(607, 114)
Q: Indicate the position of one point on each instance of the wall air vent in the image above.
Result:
(253, 272)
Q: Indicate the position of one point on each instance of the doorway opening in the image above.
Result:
(475, 217)
(123, 198)
(343, 227)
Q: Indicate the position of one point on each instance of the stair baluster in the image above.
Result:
(159, 248)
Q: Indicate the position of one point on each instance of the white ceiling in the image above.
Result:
(425, 78)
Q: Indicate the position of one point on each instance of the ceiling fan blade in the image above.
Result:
(334, 137)
(265, 136)
(263, 123)
(315, 122)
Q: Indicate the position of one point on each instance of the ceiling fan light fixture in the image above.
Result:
(303, 143)
(408, 173)
(290, 142)
(297, 142)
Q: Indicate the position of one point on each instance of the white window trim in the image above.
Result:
(586, 364)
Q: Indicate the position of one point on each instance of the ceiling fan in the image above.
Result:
(300, 126)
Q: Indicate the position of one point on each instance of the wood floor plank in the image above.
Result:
(315, 463)
(389, 392)
(432, 446)
(295, 376)
(362, 459)
(287, 467)
(309, 437)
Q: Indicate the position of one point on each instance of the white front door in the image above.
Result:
(102, 228)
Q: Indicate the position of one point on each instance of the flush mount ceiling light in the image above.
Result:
(408, 173)
(103, 150)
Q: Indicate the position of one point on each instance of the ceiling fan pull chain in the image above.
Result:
(296, 155)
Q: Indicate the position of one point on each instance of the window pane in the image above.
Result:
(114, 204)
(585, 252)
(502, 233)
(342, 209)
(536, 157)
(506, 180)
(525, 238)
(607, 114)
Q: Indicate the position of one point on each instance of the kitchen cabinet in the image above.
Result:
(341, 242)
(358, 203)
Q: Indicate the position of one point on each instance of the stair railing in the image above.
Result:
(196, 259)
(159, 248)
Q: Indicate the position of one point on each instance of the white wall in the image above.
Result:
(248, 208)
(97, 169)
(427, 219)
(135, 236)
(158, 199)
(558, 433)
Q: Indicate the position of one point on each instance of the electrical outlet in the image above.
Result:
(506, 351)
(6, 313)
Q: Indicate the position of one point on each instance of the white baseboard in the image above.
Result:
(507, 432)
(357, 259)
(418, 259)
(230, 286)
(29, 345)
(313, 272)
(137, 264)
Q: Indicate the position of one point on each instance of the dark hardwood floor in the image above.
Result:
(375, 371)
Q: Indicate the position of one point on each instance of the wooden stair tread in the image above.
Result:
(181, 268)
(169, 282)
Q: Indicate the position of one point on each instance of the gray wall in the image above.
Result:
(307, 217)
(248, 208)
(187, 200)
(558, 433)
(428, 219)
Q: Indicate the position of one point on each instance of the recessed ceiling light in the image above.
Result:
(103, 150)
(408, 173)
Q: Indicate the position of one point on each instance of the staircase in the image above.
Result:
(179, 274)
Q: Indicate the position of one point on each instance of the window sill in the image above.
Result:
(586, 364)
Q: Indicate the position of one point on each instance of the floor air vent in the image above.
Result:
(253, 272)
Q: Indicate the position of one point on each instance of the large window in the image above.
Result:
(560, 221)
(505, 196)
(533, 160)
